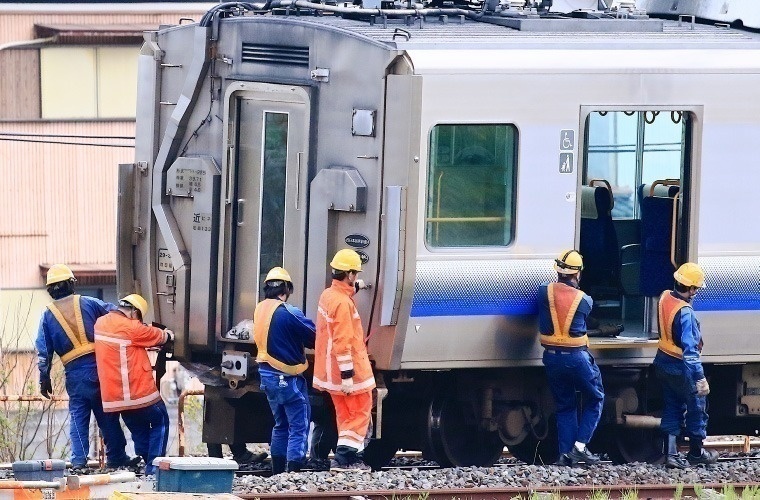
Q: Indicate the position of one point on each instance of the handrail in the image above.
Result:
(438, 205)
(464, 219)
(609, 190)
(664, 182)
(181, 417)
(673, 230)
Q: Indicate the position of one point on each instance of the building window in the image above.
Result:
(471, 185)
(88, 82)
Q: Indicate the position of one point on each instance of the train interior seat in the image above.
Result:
(599, 247)
(656, 268)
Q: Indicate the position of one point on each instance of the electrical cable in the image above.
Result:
(104, 145)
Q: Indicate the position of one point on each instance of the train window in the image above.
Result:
(471, 185)
(631, 148)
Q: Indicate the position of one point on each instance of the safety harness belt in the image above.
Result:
(68, 313)
(262, 318)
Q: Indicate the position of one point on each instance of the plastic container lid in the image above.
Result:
(194, 463)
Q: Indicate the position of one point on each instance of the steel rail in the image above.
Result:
(649, 491)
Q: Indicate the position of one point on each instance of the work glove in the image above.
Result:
(703, 388)
(361, 285)
(169, 334)
(46, 388)
(347, 385)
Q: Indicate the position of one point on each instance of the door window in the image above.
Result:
(273, 182)
(631, 148)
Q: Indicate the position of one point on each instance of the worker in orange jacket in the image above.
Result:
(343, 369)
(126, 376)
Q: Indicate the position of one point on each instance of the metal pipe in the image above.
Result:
(640, 421)
(58, 484)
(76, 482)
(181, 417)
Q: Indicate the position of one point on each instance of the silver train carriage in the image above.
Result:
(459, 148)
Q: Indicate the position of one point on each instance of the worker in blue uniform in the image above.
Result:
(66, 329)
(570, 368)
(281, 332)
(678, 366)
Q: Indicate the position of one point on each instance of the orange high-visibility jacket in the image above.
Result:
(668, 307)
(124, 370)
(339, 345)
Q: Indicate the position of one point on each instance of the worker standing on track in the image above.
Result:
(281, 332)
(562, 315)
(126, 375)
(678, 366)
(341, 362)
(66, 329)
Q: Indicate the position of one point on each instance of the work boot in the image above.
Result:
(295, 465)
(584, 456)
(250, 458)
(317, 464)
(279, 464)
(673, 459)
(564, 461)
(704, 458)
(129, 463)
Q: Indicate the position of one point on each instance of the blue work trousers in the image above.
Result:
(571, 371)
(680, 396)
(289, 400)
(150, 432)
(83, 388)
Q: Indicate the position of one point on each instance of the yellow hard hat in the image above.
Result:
(690, 274)
(568, 262)
(278, 273)
(58, 273)
(137, 302)
(346, 260)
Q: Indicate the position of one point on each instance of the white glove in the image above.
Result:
(361, 285)
(169, 334)
(703, 388)
(347, 385)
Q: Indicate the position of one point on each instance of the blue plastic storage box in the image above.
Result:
(39, 470)
(194, 474)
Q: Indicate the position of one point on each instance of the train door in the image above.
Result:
(635, 210)
(271, 129)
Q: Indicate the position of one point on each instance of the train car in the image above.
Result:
(458, 147)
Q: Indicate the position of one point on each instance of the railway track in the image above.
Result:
(654, 491)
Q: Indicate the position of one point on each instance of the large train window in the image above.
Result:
(632, 148)
(471, 185)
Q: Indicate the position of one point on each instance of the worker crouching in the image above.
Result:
(126, 376)
(281, 331)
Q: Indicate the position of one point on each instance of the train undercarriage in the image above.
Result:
(467, 417)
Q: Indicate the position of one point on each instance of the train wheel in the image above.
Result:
(379, 452)
(635, 445)
(456, 439)
(543, 451)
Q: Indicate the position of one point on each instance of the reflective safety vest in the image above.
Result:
(262, 319)
(563, 304)
(667, 309)
(124, 369)
(68, 312)
(339, 345)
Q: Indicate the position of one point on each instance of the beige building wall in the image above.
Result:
(58, 202)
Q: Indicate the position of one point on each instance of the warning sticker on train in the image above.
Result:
(357, 241)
